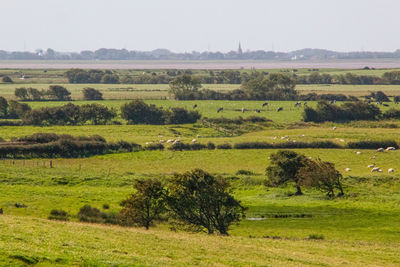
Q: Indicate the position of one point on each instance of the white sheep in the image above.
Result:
(390, 148)
(162, 141)
(371, 166)
(334, 128)
(170, 141)
(194, 141)
(376, 169)
(373, 157)
(380, 149)
(358, 153)
(347, 169)
(285, 137)
(390, 170)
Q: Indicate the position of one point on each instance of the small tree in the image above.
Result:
(138, 112)
(3, 107)
(284, 167)
(322, 175)
(184, 87)
(21, 93)
(17, 110)
(92, 94)
(57, 92)
(145, 206)
(202, 201)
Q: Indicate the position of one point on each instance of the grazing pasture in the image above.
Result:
(360, 228)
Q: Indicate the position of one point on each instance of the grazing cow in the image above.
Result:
(280, 109)
(390, 170)
(220, 109)
(298, 104)
(305, 103)
(371, 166)
(257, 111)
(198, 136)
(390, 148)
(170, 141)
(195, 106)
(386, 105)
(380, 149)
(265, 104)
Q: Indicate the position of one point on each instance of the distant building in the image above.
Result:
(240, 51)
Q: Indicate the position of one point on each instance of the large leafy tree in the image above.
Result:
(145, 206)
(201, 201)
(322, 175)
(284, 167)
(184, 87)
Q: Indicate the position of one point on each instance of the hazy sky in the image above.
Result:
(187, 25)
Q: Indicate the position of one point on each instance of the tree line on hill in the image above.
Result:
(226, 77)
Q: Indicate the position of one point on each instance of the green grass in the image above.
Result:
(58, 243)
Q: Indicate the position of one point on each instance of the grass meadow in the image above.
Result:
(359, 229)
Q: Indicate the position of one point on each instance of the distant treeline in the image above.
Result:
(164, 54)
(226, 77)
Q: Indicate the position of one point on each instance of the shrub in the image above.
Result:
(182, 146)
(90, 214)
(106, 206)
(224, 146)
(154, 147)
(392, 114)
(210, 146)
(316, 236)
(60, 215)
(367, 144)
(244, 172)
(91, 94)
(346, 112)
(7, 79)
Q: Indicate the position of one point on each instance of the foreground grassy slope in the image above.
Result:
(31, 240)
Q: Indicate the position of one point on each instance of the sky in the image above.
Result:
(201, 25)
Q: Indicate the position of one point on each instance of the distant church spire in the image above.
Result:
(240, 51)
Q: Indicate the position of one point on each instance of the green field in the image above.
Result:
(359, 229)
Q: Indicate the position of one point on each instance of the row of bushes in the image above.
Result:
(43, 145)
(347, 112)
(138, 112)
(54, 93)
(284, 145)
(12, 109)
(69, 114)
